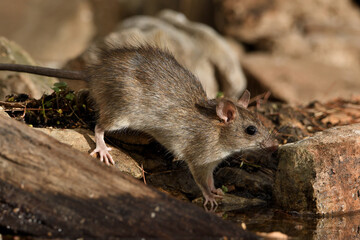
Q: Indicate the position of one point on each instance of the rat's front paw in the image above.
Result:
(210, 198)
(104, 155)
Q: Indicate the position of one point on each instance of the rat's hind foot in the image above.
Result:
(104, 155)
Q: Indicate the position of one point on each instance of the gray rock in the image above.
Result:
(83, 140)
(320, 174)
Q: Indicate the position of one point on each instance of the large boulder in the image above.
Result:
(321, 174)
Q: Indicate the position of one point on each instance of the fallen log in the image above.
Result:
(48, 189)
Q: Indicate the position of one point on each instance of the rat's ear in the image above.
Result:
(244, 99)
(226, 110)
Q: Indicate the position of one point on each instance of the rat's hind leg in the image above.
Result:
(101, 147)
(108, 122)
(203, 175)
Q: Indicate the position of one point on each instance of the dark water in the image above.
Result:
(296, 226)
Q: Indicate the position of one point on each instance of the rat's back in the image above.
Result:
(153, 72)
(145, 84)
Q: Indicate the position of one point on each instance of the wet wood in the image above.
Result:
(48, 189)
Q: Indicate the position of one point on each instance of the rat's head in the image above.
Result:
(241, 129)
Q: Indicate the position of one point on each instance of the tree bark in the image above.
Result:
(48, 189)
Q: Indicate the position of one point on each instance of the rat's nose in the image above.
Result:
(273, 148)
(270, 145)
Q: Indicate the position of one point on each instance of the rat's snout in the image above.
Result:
(269, 145)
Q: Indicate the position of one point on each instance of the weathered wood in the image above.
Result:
(49, 189)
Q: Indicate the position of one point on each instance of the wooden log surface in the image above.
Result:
(48, 189)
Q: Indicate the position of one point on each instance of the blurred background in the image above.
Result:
(299, 50)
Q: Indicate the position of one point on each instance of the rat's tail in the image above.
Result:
(49, 72)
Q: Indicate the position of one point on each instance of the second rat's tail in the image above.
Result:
(49, 72)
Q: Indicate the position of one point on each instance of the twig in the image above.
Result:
(13, 104)
(315, 124)
(143, 173)
(167, 171)
(350, 105)
(24, 112)
(73, 111)
(264, 95)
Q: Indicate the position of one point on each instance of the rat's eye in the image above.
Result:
(251, 130)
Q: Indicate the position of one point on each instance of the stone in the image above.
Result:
(52, 32)
(320, 174)
(84, 141)
(12, 82)
(198, 47)
(300, 81)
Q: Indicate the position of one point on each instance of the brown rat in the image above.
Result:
(146, 89)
